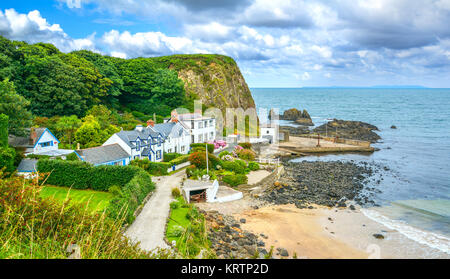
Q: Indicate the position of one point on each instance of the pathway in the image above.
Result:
(149, 226)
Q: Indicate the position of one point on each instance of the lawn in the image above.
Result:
(178, 218)
(95, 200)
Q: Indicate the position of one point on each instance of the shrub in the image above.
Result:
(233, 166)
(199, 160)
(235, 180)
(223, 153)
(176, 192)
(202, 145)
(4, 120)
(254, 166)
(7, 158)
(115, 190)
(174, 205)
(153, 168)
(72, 157)
(180, 160)
(133, 194)
(246, 154)
(190, 170)
(171, 156)
(246, 145)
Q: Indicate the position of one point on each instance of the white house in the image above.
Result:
(269, 132)
(201, 128)
(177, 138)
(140, 143)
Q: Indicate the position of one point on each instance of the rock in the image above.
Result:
(352, 207)
(243, 220)
(260, 243)
(283, 252)
(293, 114)
(356, 130)
(378, 236)
(393, 127)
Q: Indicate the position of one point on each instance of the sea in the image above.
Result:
(414, 159)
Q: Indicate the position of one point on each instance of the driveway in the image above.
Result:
(150, 224)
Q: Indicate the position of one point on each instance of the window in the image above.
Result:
(46, 144)
(169, 150)
(158, 154)
(182, 148)
(138, 145)
(136, 157)
(200, 125)
(193, 139)
(210, 123)
(212, 135)
(200, 138)
(206, 136)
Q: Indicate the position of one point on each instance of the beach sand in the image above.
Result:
(323, 233)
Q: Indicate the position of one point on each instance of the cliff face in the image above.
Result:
(215, 79)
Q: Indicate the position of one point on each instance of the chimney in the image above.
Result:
(33, 135)
(150, 123)
(174, 116)
(139, 128)
(198, 112)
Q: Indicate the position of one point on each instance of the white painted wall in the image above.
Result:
(46, 137)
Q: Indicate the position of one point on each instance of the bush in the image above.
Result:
(133, 194)
(7, 158)
(180, 160)
(223, 153)
(4, 120)
(199, 160)
(72, 157)
(190, 170)
(254, 166)
(246, 145)
(233, 166)
(171, 156)
(202, 145)
(235, 180)
(176, 192)
(246, 154)
(115, 190)
(174, 205)
(153, 168)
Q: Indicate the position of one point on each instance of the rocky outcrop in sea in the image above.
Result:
(356, 130)
(293, 114)
(322, 183)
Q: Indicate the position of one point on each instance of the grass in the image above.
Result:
(188, 228)
(94, 200)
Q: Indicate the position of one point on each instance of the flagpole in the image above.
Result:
(207, 168)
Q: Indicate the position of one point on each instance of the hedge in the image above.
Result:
(130, 198)
(7, 158)
(82, 175)
(153, 168)
(235, 180)
(180, 160)
(199, 160)
(171, 156)
(202, 145)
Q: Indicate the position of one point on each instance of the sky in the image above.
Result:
(283, 43)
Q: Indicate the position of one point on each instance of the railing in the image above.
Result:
(269, 161)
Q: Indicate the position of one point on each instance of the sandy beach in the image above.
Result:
(323, 233)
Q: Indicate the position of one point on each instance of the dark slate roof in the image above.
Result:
(27, 165)
(39, 132)
(103, 154)
(170, 128)
(19, 141)
(129, 136)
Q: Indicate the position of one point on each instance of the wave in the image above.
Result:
(429, 239)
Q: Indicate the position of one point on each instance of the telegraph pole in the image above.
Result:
(207, 167)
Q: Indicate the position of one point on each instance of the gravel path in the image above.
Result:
(149, 226)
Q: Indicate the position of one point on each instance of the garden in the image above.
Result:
(231, 168)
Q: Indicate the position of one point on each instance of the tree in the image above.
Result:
(68, 125)
(15, 106)
(7, 154)
(88, 135)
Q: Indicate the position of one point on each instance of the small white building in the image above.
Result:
(269, 132)
(201, 128)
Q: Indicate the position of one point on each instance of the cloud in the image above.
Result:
(33, 28)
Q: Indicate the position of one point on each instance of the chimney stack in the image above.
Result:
(174, 116)
(33, 135)
(139, 128)
(150, 123)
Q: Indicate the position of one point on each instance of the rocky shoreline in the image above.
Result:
(355, 130)
(332, 184)
(229, 240)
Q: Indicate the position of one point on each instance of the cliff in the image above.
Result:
(214, 79)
